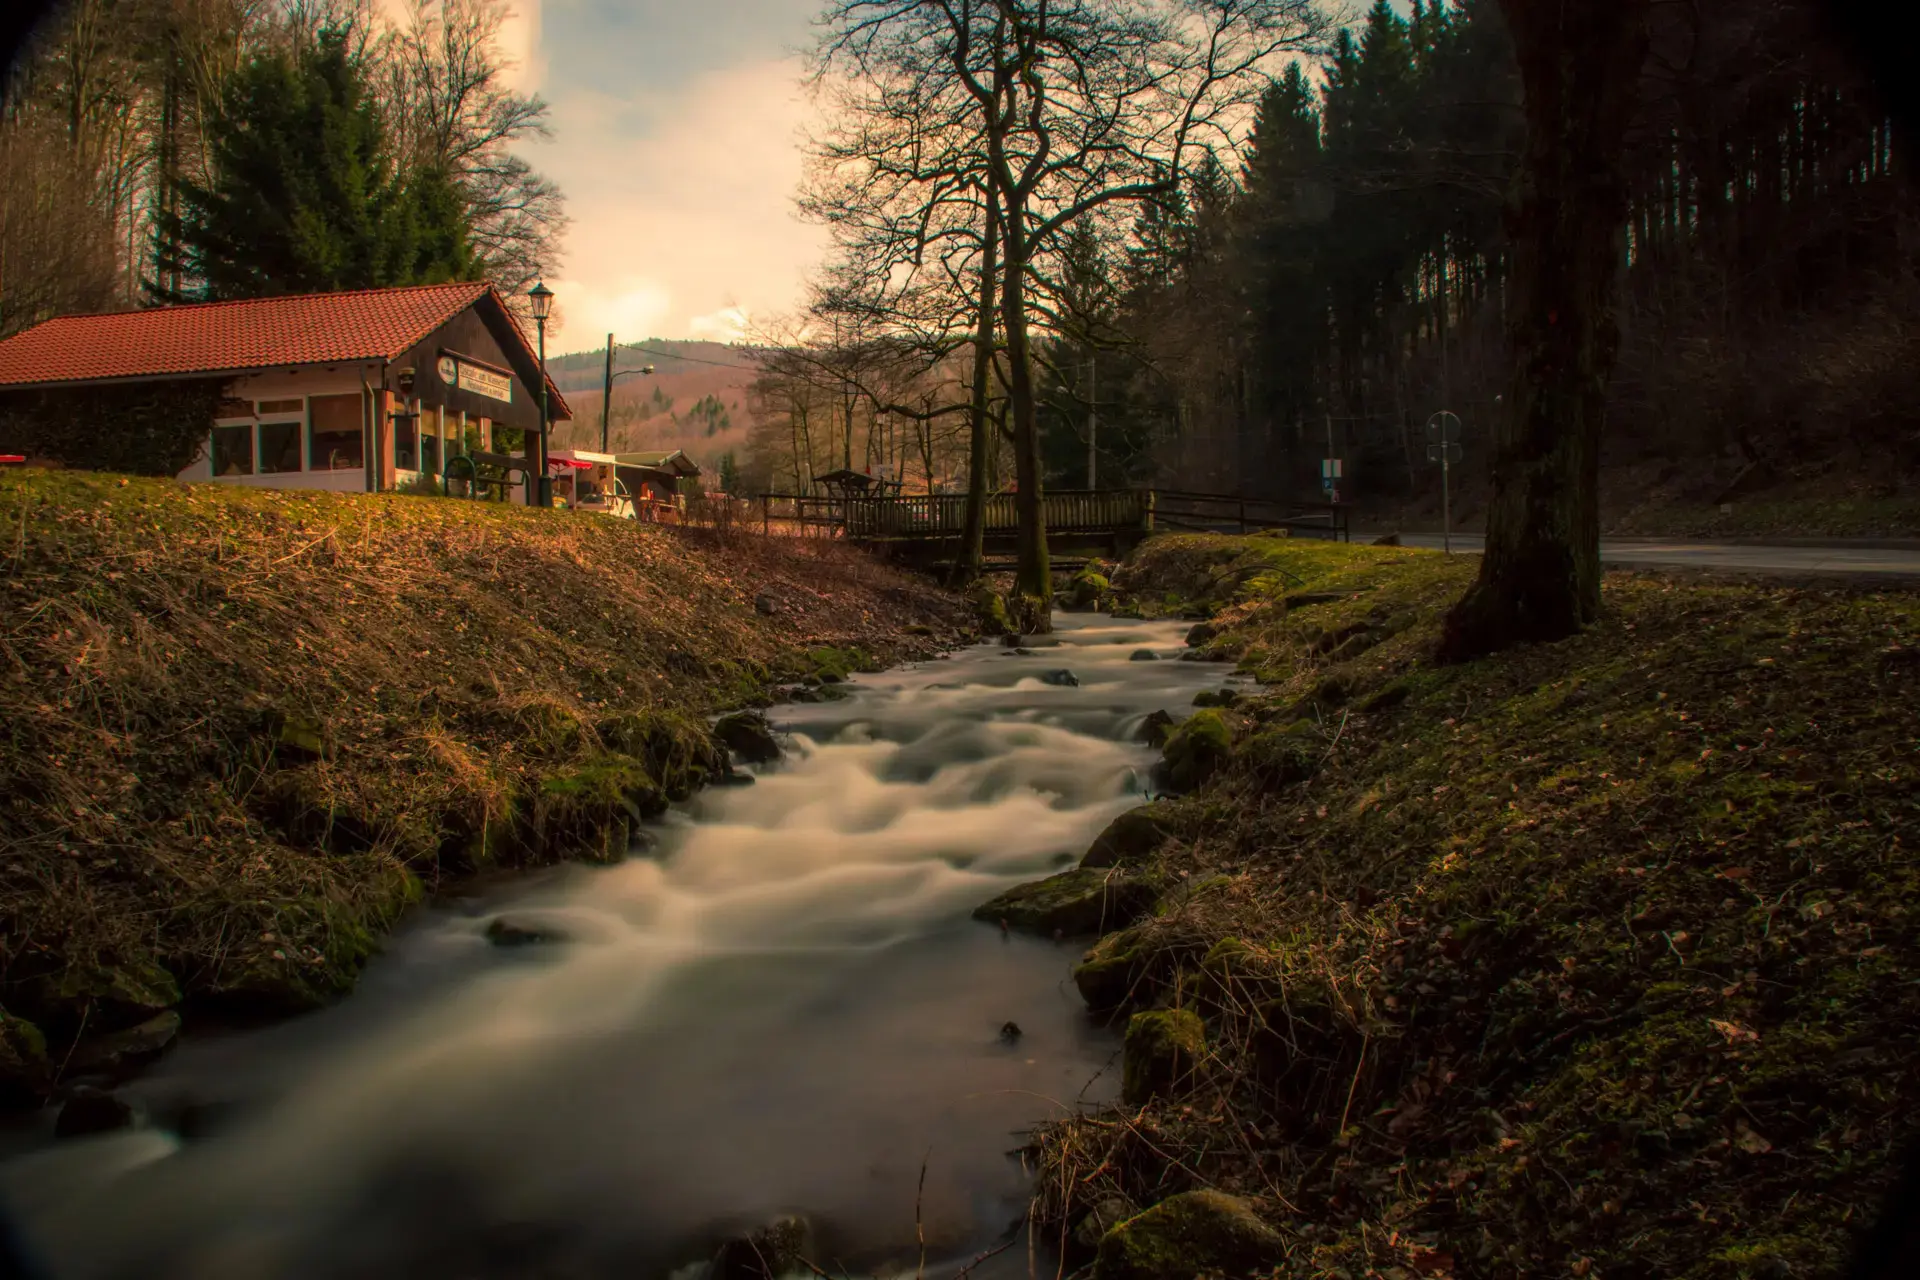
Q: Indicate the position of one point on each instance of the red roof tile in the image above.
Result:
(223, 337)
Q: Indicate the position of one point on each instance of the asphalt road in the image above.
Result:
(1866, 561)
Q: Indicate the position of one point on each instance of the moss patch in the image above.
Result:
(1196, 1233)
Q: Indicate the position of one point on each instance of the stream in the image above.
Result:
(783, 1006)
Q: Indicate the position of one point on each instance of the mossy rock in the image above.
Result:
(1192, 1234)
(1162, 1055)
(1129, 838)
(589, 808)
(23, 1061)
(1032, 615)
(1155, 729)
(679, 751)
(1216, 698)
(1086, 590)
(140, 984)
(1198, 749)
(1124, 968)
(748, 735)
(989, 610)
(1077, 902)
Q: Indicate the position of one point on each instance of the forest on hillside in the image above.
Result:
(1327, 278)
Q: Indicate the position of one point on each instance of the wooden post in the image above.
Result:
(383, 441)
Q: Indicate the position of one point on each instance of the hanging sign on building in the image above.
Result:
(467, 376)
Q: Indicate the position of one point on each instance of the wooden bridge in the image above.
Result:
(926, 528)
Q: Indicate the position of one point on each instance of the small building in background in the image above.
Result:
(360, 392)
(657, 481)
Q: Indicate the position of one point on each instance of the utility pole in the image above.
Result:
(606, 396)
(1093, 423)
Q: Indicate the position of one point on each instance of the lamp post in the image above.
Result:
(542, 299)
(606, 393)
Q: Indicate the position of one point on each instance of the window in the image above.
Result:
(430, 454)
(233, 450)
(337, 442)
(279, 447)
(234, 409)
(280, 406)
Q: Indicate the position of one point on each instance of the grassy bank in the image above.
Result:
(245, 729)
(1593, 959)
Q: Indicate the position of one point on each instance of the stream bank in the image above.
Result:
(247, 729)
(1591, 958)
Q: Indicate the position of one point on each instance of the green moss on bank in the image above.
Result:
(1589, 959)
(242, 730)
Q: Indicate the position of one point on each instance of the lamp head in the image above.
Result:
(406, 382)
(542, 298)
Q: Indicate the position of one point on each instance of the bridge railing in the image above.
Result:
(945, 514)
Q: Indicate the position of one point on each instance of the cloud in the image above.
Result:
(681, 199)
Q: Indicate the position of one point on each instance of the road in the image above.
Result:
(1866, 561)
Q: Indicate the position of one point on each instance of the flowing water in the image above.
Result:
(783, 1007)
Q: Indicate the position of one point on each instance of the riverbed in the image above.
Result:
(781, 1006)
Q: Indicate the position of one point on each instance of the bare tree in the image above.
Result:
(446, 89)
(1048, 111)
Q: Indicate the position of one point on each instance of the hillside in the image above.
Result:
(696, 398)
(244, 729)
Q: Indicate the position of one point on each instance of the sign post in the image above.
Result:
(1330, 474)
(1443, 447)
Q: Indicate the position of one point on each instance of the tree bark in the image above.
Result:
(972, 557)
(1033, 576)
(1540, 577)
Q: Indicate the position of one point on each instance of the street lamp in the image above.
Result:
(606, 393)
(542, 299)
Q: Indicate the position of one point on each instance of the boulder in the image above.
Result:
(1216, 698)
(1080, 901)
(1197, 750)
(1163, 1051)
(1200, 633)
(1155, 729)
(89, 1111)
(1062, 678)
(505, 931)
(1143, 655)
(1193, 1233)
(1087, 589)
(989, 610)
(134, 1047)
(1106, 1214)
(765, 605)
(748, 735)
(1128, 839)
(1110, 970)
(777, 1249)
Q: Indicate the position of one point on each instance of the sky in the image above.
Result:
(676, 126)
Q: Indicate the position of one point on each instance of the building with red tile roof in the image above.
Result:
(356, 391)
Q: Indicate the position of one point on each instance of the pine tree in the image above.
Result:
(305, 197)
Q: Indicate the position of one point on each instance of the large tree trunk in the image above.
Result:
(1033, 577)
(1540, 578)
(972, 557)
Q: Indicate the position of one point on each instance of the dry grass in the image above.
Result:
(1593, 960)
(245, 728)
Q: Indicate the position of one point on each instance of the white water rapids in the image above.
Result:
(784, 1007)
